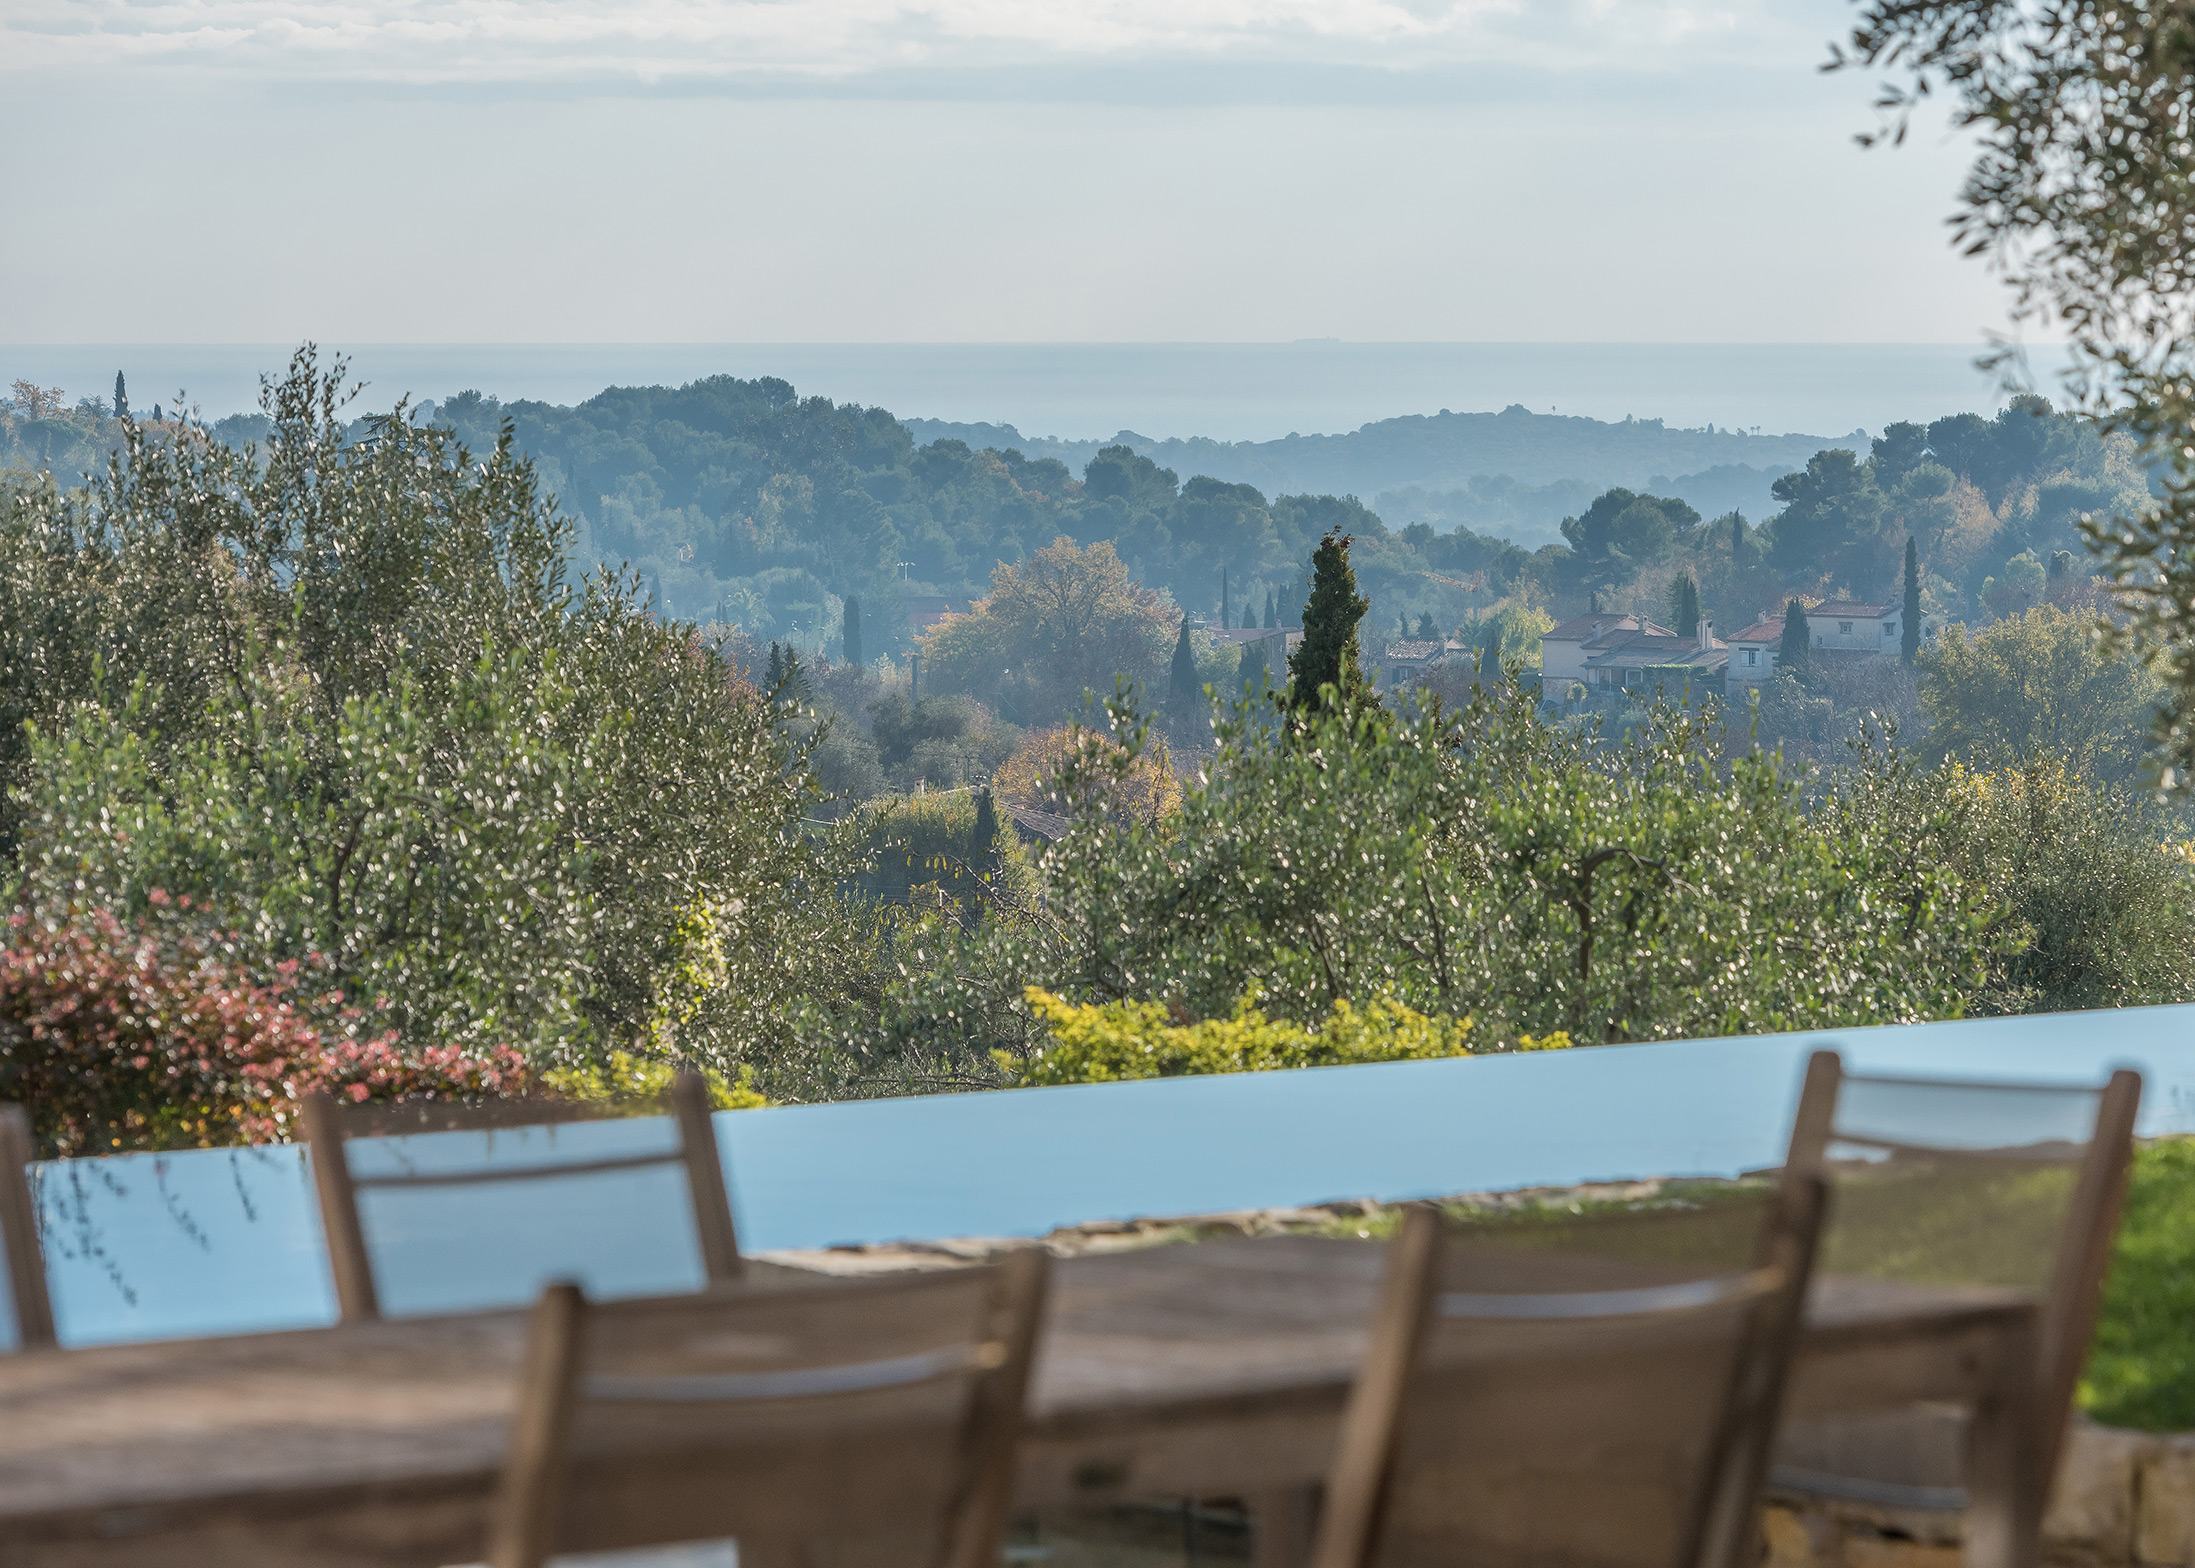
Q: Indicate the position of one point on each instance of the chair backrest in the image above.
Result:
(852, 1422)
(330, 1126)
(19, 1233)
(2013, 1185)
(1593, 1390)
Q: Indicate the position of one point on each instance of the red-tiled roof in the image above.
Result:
(1760, 631)
(1580, 627)
(1649, 648)
(1852, 610)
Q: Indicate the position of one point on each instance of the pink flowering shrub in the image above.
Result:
(158, 1034)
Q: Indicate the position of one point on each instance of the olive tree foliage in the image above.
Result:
(349, 696)
(2099, 880)
(2033, 687)
(1471, 863)
(2081, 193)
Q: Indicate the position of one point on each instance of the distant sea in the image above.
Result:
(1227, 391)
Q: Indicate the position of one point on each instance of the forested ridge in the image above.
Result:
(743, 503)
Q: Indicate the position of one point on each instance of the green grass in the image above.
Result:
(2141, 1370)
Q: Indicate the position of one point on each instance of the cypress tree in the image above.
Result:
(1184, 681)
(1910, 642)
(1256, 669)
(1249, 617)
(1272, 609)
(1226, 613)
(986, 833)
(1791, 655)
(1684, 604)
(776, 676)
(121, 397)
(1327, 656)
(1737, 538)
(852, 632)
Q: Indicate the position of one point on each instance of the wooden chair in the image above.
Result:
(19, 1233)
(330, 1126)
(858, 1422)
(2008, 1185)
(1596, 1391)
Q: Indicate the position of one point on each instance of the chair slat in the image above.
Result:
(330, 1127)
(19, 1233)
(876, 1415)
(488, 1175)
(2010, 1195)
(705, 1179)
(1596, 1428)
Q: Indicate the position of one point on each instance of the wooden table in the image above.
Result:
(1208, 1370)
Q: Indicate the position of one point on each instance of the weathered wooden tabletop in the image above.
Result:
(1210, 1369)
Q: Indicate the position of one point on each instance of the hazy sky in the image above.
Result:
(981, 170)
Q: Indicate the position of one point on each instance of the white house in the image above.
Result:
(1753, 650)
(1842, 628)
(1566, 652)
(1842, 625)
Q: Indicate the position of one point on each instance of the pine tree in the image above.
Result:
(1684, 604)
(1910, 642)
(1327, 655)
(1593, 602)
(851, 634)
(777, 668)
(1184, 681)
(1272, 609)
(121, 397)
(1791, 655)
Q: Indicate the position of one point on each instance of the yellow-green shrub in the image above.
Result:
(628, 1085)
(1101, 1043)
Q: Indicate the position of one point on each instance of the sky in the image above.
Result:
(467, 171)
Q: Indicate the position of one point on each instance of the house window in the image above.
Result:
(1752, 656)
(1890, 628)
(1844, 628)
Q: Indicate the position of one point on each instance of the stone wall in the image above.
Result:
(2122, 1498)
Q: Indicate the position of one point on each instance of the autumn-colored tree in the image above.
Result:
(1065, 621)
(1147, 791)
(33, 401)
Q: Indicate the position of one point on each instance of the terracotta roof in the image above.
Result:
(1759, 631)
(1415, 650)
(1638, 652)
(1651, 648)
(1853, 610)
(1580, 627)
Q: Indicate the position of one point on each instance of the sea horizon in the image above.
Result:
(1085, 391)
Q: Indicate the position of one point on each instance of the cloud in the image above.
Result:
(825, 45)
